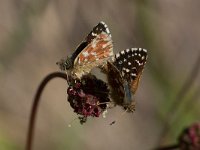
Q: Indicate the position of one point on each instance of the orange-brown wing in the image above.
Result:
(96, 53)
(139, 63)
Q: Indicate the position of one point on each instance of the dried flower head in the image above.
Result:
(190, 138)
(88, 96)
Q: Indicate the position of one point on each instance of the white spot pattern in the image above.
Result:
(85, 54)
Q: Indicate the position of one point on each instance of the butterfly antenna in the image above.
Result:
(103, 103)
(119, 117)
(108, 104)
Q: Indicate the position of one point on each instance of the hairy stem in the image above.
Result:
(35, 105)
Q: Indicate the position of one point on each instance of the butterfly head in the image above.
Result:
(65, 64)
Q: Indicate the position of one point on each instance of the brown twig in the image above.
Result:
(35, 105)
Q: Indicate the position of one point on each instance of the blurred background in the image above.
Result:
(34, 35)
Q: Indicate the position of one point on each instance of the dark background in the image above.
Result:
(34, 35)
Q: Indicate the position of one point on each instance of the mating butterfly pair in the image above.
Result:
(123, 69)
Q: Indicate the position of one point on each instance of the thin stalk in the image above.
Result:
(32, 119)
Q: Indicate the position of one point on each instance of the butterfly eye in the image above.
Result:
(68, 63)
(65, 64)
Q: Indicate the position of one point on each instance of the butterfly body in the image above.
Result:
(124, 74)
(120, 89)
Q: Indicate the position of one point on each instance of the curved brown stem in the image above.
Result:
(35, 105)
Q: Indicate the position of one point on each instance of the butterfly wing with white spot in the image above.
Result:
(123, 74)
(130, 63)
(94, 51)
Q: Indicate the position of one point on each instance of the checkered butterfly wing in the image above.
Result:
(124, 75)
(94, 51)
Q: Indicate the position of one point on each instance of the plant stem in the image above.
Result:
(35, 105)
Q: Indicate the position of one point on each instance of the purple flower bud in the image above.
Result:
(190, 138)
(71, 91)
(86, 94)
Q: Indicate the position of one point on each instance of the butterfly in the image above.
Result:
(124, 73)
(94, 51)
